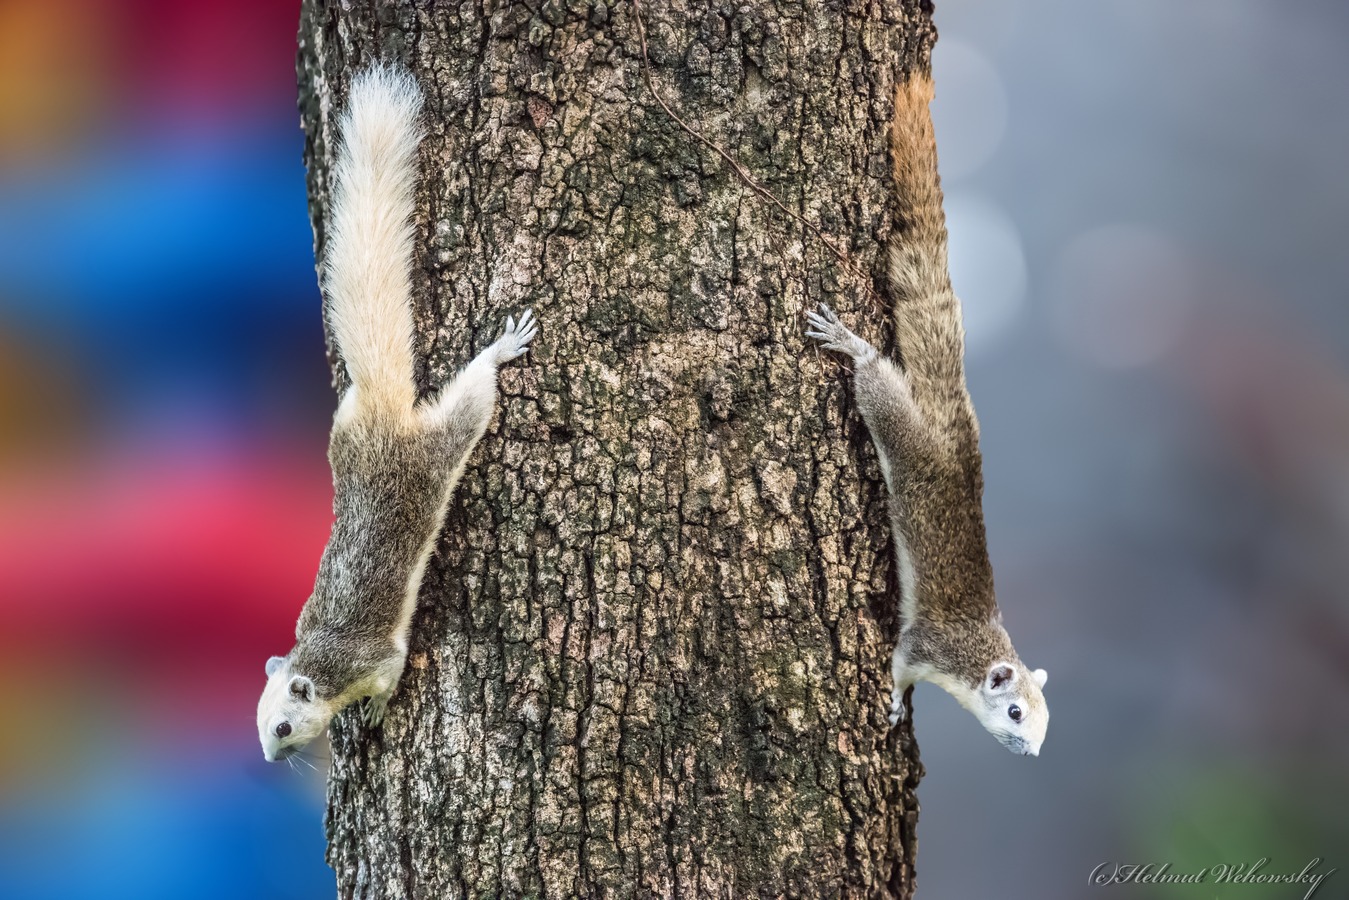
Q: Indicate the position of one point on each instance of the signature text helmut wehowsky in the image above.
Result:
(1257, 872)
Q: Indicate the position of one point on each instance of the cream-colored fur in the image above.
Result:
(368, 253)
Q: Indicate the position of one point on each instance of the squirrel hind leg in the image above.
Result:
(466, 402)
(372, 712)
(904, 678)
(899, 710)
(515, 338)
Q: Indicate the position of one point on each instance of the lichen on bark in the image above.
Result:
(651, 655)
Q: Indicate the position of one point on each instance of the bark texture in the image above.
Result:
(652, 652)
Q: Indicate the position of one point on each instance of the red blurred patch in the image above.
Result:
(210, 55)
(70, 69)
(163, 558)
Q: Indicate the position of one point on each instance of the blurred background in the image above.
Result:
(163, 395)
(1147, 201)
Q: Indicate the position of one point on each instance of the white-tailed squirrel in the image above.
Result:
(927, 439)
(395, 459)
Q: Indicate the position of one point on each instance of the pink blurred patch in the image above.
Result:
(208, 56)
(164, 566)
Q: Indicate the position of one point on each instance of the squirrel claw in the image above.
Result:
(834, 335)
(516, 337)
(372, 714)
(898, 712)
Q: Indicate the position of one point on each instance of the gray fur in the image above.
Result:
(951, 629)
(392, 478)
(395, 462)
(389, 488)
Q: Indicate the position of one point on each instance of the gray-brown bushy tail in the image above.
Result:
(927, 313)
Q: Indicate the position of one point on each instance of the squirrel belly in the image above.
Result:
(395, 461)
(923, 426)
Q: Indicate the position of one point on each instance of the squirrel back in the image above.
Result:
(368, 257)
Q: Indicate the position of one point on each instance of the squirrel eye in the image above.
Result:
(283, 730)
(1015, 712)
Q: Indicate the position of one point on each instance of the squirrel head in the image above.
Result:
(1010, 703)
(290, 713)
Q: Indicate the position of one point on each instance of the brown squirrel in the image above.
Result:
(927, 438)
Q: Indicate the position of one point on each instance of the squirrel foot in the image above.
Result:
(834, 335)
(898, 711)
(372, 713)
(515, 339)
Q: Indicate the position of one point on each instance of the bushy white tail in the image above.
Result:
(368, 263)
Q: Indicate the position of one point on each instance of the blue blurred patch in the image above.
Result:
(176, 270)
(174, 230)
(221, 832)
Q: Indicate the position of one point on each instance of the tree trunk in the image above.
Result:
(652, 653)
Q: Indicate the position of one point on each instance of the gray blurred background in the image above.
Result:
(1147, 203)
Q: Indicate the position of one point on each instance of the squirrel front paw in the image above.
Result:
(515, 339)
(834, 335)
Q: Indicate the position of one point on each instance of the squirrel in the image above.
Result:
(395, 459)
(923, 425)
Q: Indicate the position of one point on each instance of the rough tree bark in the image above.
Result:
(652, 653)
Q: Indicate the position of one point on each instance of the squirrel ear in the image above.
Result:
(1001, 677)
(302, 688)
(273, 664)
(1041, 676)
